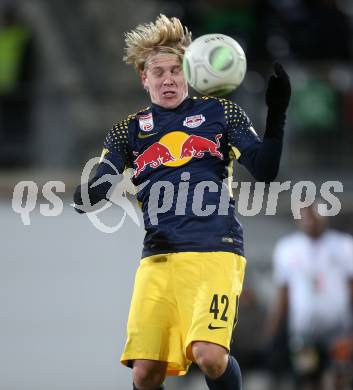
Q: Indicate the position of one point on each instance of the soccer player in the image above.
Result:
(188, 284)
(313, 271)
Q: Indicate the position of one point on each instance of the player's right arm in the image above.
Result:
(114, 160)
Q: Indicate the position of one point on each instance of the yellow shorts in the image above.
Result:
(180, 298)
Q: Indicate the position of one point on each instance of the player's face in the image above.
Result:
(311, 222)
(164, 79)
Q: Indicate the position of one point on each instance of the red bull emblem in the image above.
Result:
(154, 156)
(175, 149)
(196, 146)
(193, 121)
(146, 122)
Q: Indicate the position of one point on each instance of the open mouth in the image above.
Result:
(169, 94)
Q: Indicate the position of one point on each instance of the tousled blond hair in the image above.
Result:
(165, 35)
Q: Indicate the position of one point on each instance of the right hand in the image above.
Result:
(78, 199)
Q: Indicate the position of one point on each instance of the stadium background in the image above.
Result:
(65, 286)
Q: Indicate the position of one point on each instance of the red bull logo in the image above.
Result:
(154, 156)
(196, 146)
(175, 149)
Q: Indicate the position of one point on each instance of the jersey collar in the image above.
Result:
(184, 105)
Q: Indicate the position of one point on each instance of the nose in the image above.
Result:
(168, 81)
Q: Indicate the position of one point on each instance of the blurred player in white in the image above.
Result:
(313, 270)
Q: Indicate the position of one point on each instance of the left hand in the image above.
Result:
(278, 90)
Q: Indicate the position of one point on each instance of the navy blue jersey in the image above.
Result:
(184, 156)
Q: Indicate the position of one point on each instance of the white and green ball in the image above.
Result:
(214, 64)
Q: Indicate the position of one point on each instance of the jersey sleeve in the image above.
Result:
(116, 147)
(114, 159)
(241, 134)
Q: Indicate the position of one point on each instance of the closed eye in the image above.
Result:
(176, 70)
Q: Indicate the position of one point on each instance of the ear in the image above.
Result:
(143, 78)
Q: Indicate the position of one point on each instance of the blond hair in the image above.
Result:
(165, 35)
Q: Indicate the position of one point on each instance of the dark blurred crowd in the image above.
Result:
(269, 29)
(314, 37)
(17, 76)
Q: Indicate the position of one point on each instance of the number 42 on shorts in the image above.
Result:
(219, 307)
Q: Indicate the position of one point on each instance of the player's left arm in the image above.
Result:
(262, 158)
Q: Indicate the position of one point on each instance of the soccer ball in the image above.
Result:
(214, 64)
